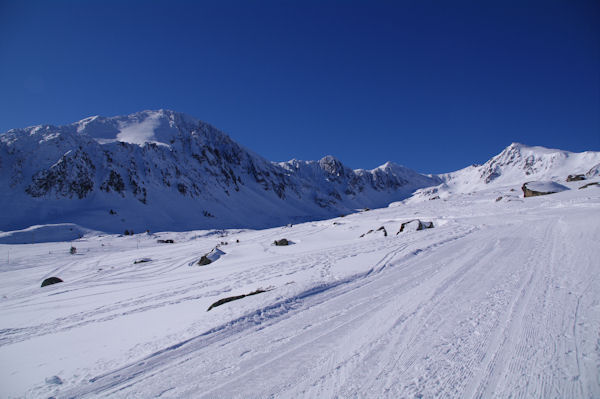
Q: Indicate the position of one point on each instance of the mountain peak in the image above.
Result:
(160, 169)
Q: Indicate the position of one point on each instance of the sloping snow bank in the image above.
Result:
(44, 233)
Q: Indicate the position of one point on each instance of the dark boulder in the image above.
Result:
(575, 177)
(204, 261)
(281, 242)
(50, 281)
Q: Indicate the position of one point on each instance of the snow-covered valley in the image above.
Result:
(501, 298)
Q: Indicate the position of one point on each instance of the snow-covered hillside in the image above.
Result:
(501, 298)
(461, 288)
(516, 165)
(162, 170)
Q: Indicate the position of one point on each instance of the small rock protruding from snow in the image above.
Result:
(282, 242)
(50, 281)
(536, 188)
(54, 380)
(210, 257)
(414, 225)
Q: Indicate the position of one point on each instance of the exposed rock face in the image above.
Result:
(589, 185)
(50, 281)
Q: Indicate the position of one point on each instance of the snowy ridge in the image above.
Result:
(162, 170)
(515, 165)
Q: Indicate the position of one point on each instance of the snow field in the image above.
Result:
(499, 299)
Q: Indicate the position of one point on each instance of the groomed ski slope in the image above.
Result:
(499, 299)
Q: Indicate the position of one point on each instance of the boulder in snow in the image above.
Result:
(414, 225)
(210, 257)
(575, 177)
(282, 242)
(536, 188)
(50, 281)
(54, 380)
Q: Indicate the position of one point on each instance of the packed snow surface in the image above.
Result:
(499, 299)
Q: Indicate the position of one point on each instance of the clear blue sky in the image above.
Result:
(433, 85)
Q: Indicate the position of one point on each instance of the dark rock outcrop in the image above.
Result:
(575, 177)
(233, 298)
(589, 185)
(50, 281)
(420, 225)
(281, 242)
(204, 261)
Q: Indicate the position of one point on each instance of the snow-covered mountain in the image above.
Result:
(515, 165)
(166, 170)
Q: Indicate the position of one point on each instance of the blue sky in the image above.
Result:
(433, 85)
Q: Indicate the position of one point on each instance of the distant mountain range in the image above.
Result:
(163, 170)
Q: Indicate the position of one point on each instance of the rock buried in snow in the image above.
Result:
(54, 380)
(142, 260)
(210, 257)
(536, 188)
(234, 298)
(414, 225)
(281, 242)
(50, 281)
(589, 185)
(382, 228)
(165, 241)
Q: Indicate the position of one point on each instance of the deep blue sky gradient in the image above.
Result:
(433, 85)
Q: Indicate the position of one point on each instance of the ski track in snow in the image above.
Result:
(498, 300)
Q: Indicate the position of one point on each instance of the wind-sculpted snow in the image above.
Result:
(498, 299)
(164, 170)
